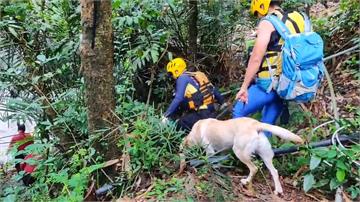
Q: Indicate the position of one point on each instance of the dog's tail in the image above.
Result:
(280, 132)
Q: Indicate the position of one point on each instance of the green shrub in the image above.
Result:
(333, 167)
(152, 145)
(163, 188)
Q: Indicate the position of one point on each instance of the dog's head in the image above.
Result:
(192, 138)
(185, 143)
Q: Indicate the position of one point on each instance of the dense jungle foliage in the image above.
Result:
(41, 80)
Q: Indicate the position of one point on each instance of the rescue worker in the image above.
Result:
(21, 140)
(195, 92)
(265, 57)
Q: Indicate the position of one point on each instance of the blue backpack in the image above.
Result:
(302, 62)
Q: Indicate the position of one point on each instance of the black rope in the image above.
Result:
(7, 136)
(344, 139)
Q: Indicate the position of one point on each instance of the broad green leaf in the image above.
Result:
(13, 32)
(340, 175)
(354, 190)
(321, 183)
(154, 55)
(314, 162)
(121, 21)
(321, 152)
(129, 20)
(309, 181)
(170, 55)
(48, 75)
(340, 164)
(14, 25)
(41, 58)
(334, 184)
(136, 20)
(331, 154)
(116, 4)
(88, 170)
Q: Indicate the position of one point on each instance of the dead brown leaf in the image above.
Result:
(110, 163)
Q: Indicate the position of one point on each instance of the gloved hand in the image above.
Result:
(164, 120)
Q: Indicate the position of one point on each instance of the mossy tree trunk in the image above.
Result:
(97, 65)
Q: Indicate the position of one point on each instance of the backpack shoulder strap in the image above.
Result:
(278, 25)
(286, 17)
(307, 22)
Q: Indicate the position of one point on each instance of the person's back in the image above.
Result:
(199, 93)
(265, 63)
(193, 90)
(20, 140)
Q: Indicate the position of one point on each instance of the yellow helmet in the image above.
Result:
(176, 67)
(260, 6)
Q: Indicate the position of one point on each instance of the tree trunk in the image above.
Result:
(192, 29)
(97, 65)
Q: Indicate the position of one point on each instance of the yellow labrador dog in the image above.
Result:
(245, 137)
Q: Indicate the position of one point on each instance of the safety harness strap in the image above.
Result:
(204, 95)
(296, 27)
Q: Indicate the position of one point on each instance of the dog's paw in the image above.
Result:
(244, 181)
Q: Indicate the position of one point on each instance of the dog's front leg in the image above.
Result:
(209, 150)
(208, 147)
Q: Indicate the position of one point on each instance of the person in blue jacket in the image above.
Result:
(195, 92)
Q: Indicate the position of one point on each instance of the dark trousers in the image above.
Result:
(17, 165)
(28, 179)
(187, 121)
